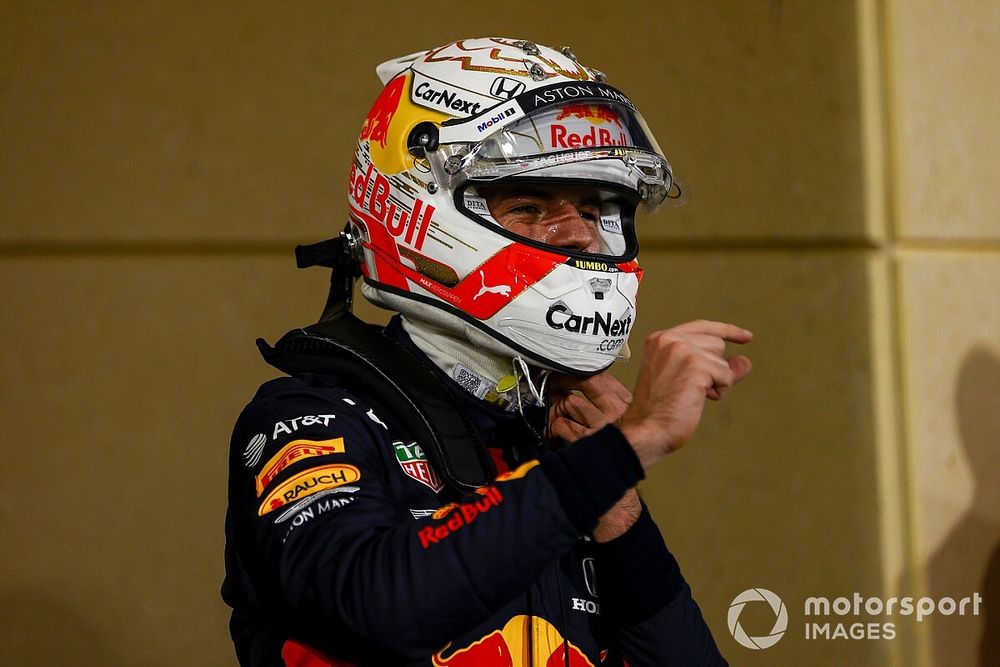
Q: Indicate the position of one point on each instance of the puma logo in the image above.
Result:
(502, 290)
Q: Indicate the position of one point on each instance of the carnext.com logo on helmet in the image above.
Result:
(559, 316)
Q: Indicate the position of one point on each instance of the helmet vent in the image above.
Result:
(529, 47)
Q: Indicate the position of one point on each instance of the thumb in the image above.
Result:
(740, 366)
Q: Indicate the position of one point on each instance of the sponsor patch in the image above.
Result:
(506, 88)
(289, 426)
(498, 116)
(477, 205)
(405, 223)
(306, 502)
(376, 127)
(455, 516)
(518, 472)
(502, 290)
(323, 506)
(307, 483)
(589, 606)
(559, 316)
(611, 225)
(296, 450)
(563, 136)
(596, 114)
(593, 265)
(523, 640)
(438, 95)
(421, 513)
(251, 455)
(371, 415)
(565, 92)
(415, 465)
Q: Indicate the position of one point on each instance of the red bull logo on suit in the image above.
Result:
(524, 641)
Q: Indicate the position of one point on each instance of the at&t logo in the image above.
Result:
(780, 621)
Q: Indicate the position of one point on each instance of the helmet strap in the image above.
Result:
(342, 255)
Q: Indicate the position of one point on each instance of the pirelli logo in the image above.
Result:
(297, 450)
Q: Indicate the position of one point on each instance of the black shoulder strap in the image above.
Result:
(345, 346)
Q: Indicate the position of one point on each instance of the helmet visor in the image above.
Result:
(600, 142)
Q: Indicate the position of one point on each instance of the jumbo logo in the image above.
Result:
(523, 641)
(295, 451)
(307, 483)
(560, 317)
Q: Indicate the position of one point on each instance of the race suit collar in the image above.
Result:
(487, 377)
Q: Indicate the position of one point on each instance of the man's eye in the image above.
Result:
(526, 208)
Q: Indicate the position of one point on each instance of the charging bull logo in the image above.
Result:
(377, 123)
(524, 641)
(596, 114)
(587, 126)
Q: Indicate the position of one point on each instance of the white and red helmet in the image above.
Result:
(483, 111)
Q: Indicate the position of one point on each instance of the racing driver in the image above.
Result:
(458, 488)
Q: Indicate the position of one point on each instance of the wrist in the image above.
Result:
(619, 519)
(642, 441)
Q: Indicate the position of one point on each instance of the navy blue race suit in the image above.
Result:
(343, 547)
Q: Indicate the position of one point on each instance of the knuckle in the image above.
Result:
(677, 346)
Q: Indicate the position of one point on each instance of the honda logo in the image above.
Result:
(506, 88)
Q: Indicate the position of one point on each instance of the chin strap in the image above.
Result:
(538, 393)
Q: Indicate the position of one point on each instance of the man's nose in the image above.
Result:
(567, 228)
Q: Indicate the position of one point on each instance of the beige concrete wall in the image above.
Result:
(160, 160)
(944, 141)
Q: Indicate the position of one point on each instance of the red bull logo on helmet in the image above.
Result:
(524, 641)
(595, 113)
(377, 123)
(563, 137)
(587, 126)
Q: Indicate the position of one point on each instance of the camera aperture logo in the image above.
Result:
(780, 618)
